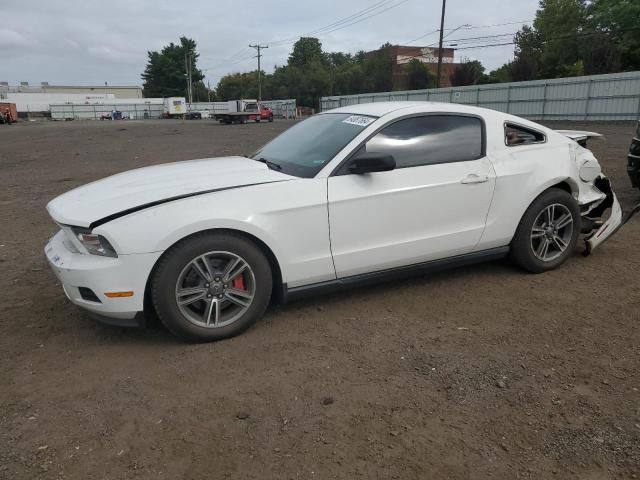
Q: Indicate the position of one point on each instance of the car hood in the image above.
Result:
(98, 202)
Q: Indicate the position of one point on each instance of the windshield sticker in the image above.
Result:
(359, 120)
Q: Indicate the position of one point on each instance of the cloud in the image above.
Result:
(82, 42)
(114, 55)
(12, 39)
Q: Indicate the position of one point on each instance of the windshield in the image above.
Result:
(308, 146)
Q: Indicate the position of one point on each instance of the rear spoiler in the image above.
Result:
(580, 137)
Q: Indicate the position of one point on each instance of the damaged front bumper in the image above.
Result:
(596, 210)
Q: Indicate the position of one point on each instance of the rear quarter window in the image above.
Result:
(517, 135)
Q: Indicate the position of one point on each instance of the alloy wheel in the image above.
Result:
(551, 232)
(215, 289)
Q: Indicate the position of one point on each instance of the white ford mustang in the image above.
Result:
(352, 195)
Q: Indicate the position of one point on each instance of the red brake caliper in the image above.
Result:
(238, 283)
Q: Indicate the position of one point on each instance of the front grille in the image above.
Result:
(88, 295)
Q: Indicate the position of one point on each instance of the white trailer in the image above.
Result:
(175, 107)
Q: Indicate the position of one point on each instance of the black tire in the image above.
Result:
(522, 248)
(271, 119)
(167, 272)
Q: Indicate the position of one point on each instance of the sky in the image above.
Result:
(89, 42)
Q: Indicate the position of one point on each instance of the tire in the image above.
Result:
(175, 273)
(528, 245)
(271, 119)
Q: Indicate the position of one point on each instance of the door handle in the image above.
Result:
(474, 178)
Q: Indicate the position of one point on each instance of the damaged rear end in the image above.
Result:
(601, 212)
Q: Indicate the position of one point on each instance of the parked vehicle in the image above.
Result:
(242, 111)
(350, 196)
(258, 112)
(633, 164)
(8, 113)
(114, 115)
(175, 107)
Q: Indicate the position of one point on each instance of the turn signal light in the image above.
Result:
(118, 294)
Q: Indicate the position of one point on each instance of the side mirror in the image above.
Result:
(371, 162)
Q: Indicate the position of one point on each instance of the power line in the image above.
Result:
(522, 22)
(366, 18)
(353, 16)
(347, 25)
(553, 39)
(466, 27)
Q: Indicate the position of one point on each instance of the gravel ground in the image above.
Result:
(479, 372)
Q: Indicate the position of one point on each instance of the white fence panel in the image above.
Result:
(599, 97)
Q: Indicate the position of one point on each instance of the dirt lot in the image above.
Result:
(482, 372)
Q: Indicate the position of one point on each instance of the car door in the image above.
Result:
(433, 205)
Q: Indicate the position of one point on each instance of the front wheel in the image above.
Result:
(547, 232)
(211, 286)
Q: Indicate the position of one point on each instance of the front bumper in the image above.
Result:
(81, 273)
(612, 224)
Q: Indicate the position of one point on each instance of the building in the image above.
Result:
(402, 55)
(36, 99)
(118, 91)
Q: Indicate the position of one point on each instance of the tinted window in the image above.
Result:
(517, 135)
(308, 146)
(430, 140)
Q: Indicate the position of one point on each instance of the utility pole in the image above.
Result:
(187, 75)
(444, 6)
(259, 47)
(190, 81)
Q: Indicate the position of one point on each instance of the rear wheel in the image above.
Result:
(547, 233)
(211, 286)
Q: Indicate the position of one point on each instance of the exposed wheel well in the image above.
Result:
(277, 295)
(563, 186)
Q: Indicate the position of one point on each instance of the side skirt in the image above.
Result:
(292, 294)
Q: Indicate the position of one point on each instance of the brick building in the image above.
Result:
(402, 55)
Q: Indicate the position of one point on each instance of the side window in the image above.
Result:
(517, 135)
(430, 140)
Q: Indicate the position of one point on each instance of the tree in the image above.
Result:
(528, 53)
(306, 51)
(470, 72)
(615, 44)
(419, 76)
(378, 69)
(238, 85)
(500, 75)
(164, 75)
(558, 26)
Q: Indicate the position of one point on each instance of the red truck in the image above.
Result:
(241, 111)
(8, 113)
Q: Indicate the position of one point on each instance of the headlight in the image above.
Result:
(94, 244)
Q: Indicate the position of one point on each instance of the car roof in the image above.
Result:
(380, 109)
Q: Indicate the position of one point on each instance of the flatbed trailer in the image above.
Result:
(234, 117)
